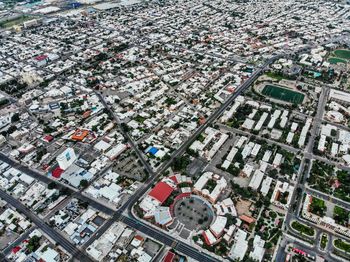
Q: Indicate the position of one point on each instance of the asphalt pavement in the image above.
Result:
(132, 221)
(53, 234)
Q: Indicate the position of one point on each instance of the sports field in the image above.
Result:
(336, 60)
(15, 21)
(345, 54)
(283, 94)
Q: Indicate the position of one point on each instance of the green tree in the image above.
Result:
(84, 183)
(33, 244)
(15, 118)
(51, 185)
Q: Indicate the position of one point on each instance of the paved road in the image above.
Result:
(301, 178)
(148, 184)
(269, 140)
(45, 179)
(301, 182)
(3, 258)
(116, 216)
(184, 248)
(165, 238)
(132, 221)
(288, 239)
(126, 135)
(215, 115)
(327, 197)
(184, 146)
(53, 234)
(19, 240)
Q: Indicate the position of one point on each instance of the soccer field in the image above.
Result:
(336, 60)
(283, 94)
(345, 54)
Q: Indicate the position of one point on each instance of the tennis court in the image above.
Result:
(284, 94)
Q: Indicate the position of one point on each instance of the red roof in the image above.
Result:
(48, 138)
(206, 239)
(16, 249)
(231, 89)
(169, 257)
(161, 192)
(336, 183)
(41, 57)
(56, 173)
(86, 114)
(182, 195)
(44, 167)
(138, 237)
(247, 219)
(174, 179)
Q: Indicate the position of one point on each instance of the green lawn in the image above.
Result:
(345, 54)
(16, 21)
(341, 216)
(274, 75)
(324, 241)
(283, 94)
(342, 245)
(303, 229)
(318, 206)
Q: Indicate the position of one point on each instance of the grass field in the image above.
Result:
(15, 21)
(345, 54)
(336, 60)
(324, 240)
(303, 229)
(283, 94)
(342, 245)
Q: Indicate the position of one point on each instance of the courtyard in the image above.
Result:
(194, 213)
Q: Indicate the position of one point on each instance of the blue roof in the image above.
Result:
(317, 74)
(153, 150)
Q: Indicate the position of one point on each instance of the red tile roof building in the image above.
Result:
(40, 57)
(16, 249)
(161, 192)
(57, 172)
(247, 219)
(169, 257)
